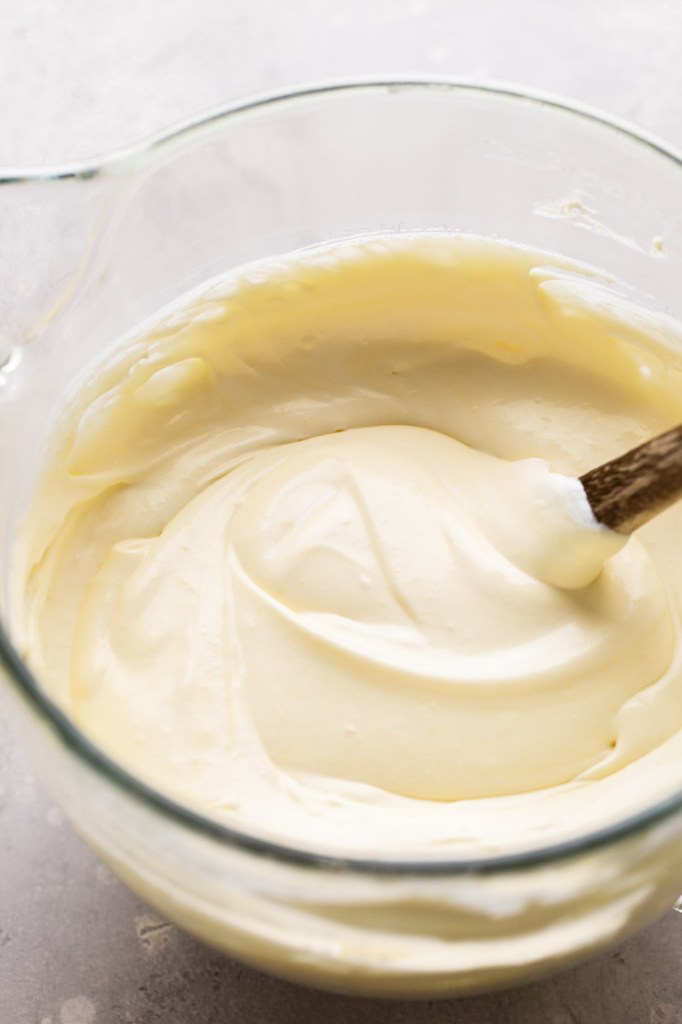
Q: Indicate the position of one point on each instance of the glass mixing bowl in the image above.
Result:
(87, 252)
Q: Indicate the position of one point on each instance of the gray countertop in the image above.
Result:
(79, 77)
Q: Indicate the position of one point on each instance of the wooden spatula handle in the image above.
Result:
(629, 490)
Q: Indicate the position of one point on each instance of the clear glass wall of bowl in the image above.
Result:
(86, 256)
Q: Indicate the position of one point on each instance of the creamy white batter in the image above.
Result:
(305, 555)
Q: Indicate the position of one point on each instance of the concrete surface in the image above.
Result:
(78, 77)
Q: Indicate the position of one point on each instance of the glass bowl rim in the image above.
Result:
(140, 155)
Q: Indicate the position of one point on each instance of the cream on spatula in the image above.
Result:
(573, 526)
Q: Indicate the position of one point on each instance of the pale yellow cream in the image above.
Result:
(308, 553)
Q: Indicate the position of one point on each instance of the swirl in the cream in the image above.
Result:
(294, 559)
